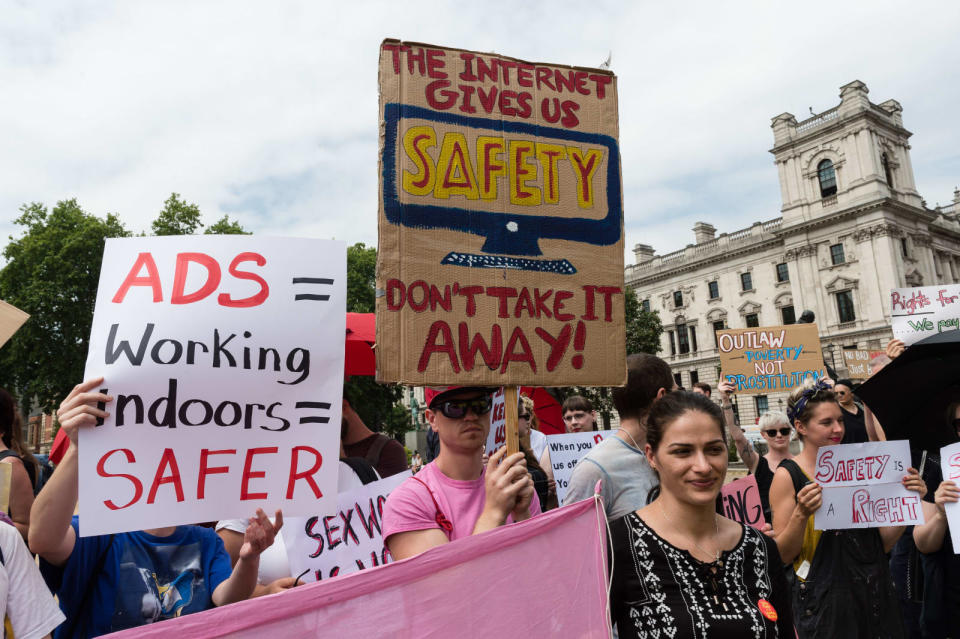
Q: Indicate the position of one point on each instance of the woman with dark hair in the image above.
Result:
(843, 586)
(23, 465)
(679, 568)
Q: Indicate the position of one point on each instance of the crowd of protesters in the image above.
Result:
(679, 568)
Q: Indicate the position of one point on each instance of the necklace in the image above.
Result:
(716, 523)
(632, 440)
(711, 573)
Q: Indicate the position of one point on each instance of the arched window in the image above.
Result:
(828, 178)
(885, 162)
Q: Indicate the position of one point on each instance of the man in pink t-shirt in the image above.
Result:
(454, 496)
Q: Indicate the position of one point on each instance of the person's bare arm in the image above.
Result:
(232, 542)
(790, 513)
(413, 542)
(51, 535)
(745, 449)
(929, 536)
(874, 429)
(242, 581)
(547, 467)
(21, 495)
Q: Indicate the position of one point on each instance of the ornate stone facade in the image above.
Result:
(852, 227)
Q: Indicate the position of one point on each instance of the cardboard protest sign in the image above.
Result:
(11, 319)
(861, 486)
(775, 358)
(566, 450)
(500, 256)
(497, 436)
(950, 464)
(347, 539)
(397, 600)
(862, 464)
(857, 363)
(924, 311)
(741, 501)
(868, 506)
(224, 356)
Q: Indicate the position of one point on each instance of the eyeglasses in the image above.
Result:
(523, 416)
(574, 417)
(457, 408)
(772, 432)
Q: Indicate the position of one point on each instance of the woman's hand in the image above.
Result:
(79, 408)
(947, 493)
(260, 534)
(913, 481)
(809, 499)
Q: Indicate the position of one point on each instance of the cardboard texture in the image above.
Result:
(6, 475)
(500, 257)
(773, 358)
(857, 363)
(11, 319)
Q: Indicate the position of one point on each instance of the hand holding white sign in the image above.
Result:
(868, 485)
(218, 408)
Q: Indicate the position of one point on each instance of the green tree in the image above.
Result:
(178, 217)
(361, 278)
(52, 273)
(377, 404)
(226, 226)
(643, 330)
(643, 327)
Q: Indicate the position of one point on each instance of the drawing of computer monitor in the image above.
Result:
(512, 233)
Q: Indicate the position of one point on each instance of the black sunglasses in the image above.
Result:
(772, 432)
(457, 408)
(523, 416)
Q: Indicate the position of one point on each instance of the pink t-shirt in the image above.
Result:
(409, 506)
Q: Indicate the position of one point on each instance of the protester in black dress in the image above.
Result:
(679, 568)
(843, 586)
(854, 424)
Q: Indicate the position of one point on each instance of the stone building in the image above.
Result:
(852, 227)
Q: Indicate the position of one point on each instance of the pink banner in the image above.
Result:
(544, 577)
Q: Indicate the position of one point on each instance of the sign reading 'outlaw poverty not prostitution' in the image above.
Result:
(500, 256)
(224, 358)
(775, 358)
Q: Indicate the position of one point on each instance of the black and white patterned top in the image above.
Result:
(663, 592)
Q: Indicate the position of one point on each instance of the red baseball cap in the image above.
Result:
(438, 393)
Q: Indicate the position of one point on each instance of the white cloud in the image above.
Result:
(268, 111)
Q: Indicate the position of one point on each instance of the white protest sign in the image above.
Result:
(348, 540)
(861, 486)
(566, 450)
(950, 465)
(868, 506)
(862, 464)
(497, 437)
(224, 358)
(923, 311)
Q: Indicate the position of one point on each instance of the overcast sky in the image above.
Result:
(267, 111)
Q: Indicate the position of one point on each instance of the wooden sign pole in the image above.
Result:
(510, 401)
